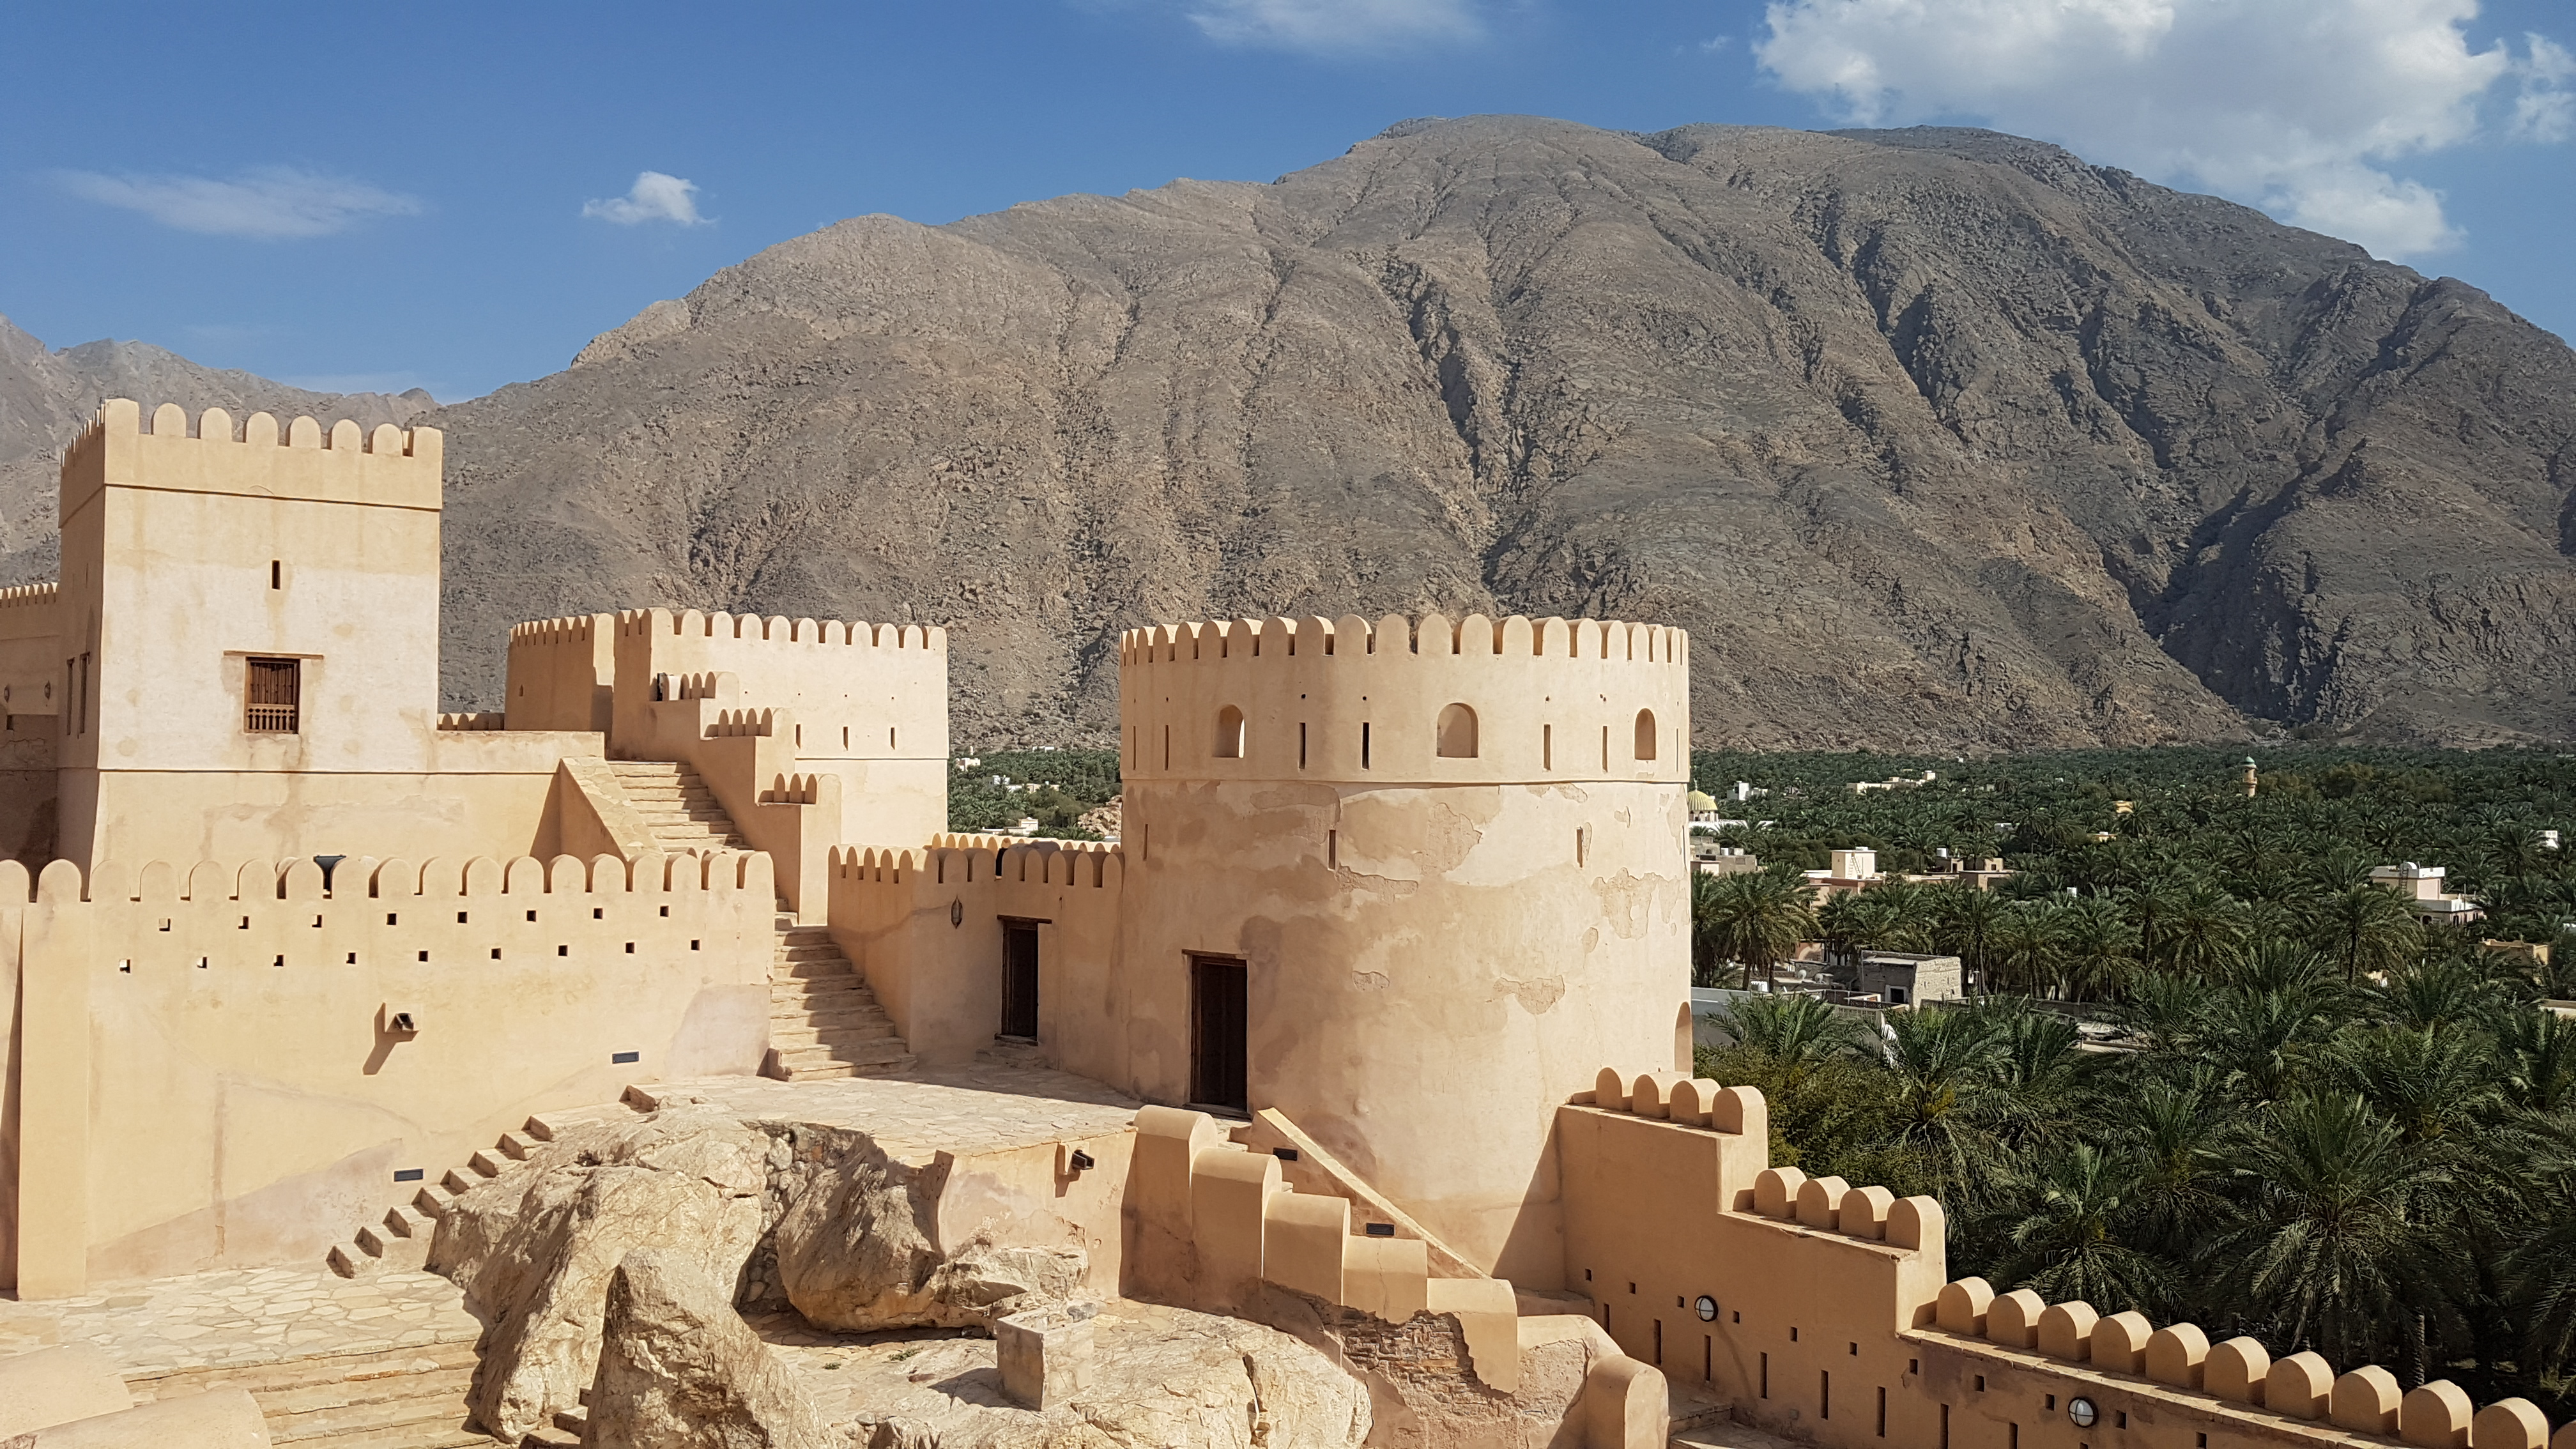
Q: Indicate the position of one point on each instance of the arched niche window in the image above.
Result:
(1645, 734)
(1229, 733)
(1457, 733)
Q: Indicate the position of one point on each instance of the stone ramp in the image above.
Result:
(381, 1362)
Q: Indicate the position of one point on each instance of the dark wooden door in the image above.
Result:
(1020, 979)
(1219, 1021)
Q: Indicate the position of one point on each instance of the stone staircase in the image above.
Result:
(677, 807)
(400, 1241)
(403, 1398)
(823, 1019)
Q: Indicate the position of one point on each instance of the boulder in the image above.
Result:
(534, 1250)
(679, 1369)
(1420, 1377)
(1161, 1376)
(856, 1252)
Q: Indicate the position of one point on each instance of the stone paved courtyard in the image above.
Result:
(243, 1316)
(980, 1107)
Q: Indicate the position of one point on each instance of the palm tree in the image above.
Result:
(1755, 919)
(2435, 1085)
(2539, 1067)
(2178, 1129)
(2023, 943)
(2342, 1246)
(1941, 1067)
(2366, 930)
(1968, 920)
(1796, 1034)
(2068, 1242)
(2205, 932)
(2097, 949)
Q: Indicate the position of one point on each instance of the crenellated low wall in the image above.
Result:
(1824, 1312)
(926, 927)
(232, 1064)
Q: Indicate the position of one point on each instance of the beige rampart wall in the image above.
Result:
(205, 1073)
(1834, 1325)
(941, 979)
(563, 674)
(1439, 948)
(869, 704)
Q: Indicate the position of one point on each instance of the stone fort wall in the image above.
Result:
(208, 1068)
(1825, 1311)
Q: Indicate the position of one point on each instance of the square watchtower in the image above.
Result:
(247, 632)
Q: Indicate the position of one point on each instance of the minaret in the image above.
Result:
(2249, 777)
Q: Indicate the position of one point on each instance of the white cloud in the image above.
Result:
(2298, 106)
(654, 197)
(2546, 109)
(267, 202)
(1335, 25)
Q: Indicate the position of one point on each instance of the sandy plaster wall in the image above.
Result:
(242, 1111)
(1431, 973)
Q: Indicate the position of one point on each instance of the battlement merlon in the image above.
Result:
(389, 468)
(1401, 702)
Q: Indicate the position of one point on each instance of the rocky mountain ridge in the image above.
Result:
(1932, 438)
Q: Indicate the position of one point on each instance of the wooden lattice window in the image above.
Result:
(275, 693)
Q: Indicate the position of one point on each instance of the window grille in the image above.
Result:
(275, 694)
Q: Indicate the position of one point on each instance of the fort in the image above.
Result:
(388, 1078)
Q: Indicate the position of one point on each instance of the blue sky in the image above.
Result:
(446, 196)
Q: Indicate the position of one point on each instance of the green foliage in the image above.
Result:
(2304, 1115)
(1066, 784)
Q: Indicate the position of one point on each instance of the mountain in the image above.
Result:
(1932, 438)
(47, 397)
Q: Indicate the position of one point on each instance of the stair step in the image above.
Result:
(262, 1380)
(575, 1421)
(432, 1200)
(864, 1053)
(446, 1431)
(459, 1182)
(487, 1163)
(408, 1222)
(795, 1038)
(517, 1146)
(343, 1393)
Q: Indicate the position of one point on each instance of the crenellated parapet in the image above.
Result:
(1406, 701)
(2237, 1378)
(258, 457)
(860, 691)
(1823, 1309)
(780, 630)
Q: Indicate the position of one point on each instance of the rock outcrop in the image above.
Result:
(768, 1214)
(1161, 1376)
(855, 1251)
(679, 1369)
(535, 1250)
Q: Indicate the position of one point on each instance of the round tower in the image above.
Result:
(1413, 885)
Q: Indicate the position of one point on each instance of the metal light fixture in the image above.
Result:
(2082, 1412)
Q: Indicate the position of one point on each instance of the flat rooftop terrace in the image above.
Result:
(979, 1107)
